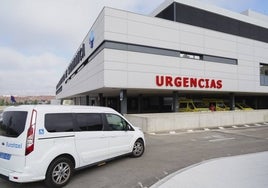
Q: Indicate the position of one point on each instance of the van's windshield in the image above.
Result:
(12, 123)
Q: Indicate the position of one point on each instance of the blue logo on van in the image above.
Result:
(41, 131)
(13, 145)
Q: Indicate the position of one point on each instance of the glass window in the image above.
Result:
(60, 122)
(12, 123)
(190, 55)
(200, 105)
(264, 69)
(183, 105)
(89, 122)
(263, 74)
(220, 59)
(115, 122)
(191, 106)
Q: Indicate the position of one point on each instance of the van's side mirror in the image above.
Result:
(126, 127)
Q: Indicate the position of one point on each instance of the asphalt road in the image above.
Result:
(166, 153)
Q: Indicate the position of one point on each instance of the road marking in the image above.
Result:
(166, 173)
(140, 184)
(208, 129)
(101, 164)
(221, 139)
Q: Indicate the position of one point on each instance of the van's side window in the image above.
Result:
(59, 122)
(115, 122)
(89, 122)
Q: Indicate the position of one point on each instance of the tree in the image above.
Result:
(2, 102)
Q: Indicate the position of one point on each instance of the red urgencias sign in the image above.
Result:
(187, 82)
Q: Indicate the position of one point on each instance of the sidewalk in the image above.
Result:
(244, 171)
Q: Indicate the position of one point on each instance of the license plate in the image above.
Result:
(5, 156)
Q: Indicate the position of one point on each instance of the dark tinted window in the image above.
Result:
(59, 122)
(89, 122)
(201, 18)
(220, 59)
(12, 123)
(263, 74)
(183, 105)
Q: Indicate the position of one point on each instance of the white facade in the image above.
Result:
(143, 47)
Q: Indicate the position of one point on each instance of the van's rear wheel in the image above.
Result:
(59, 172)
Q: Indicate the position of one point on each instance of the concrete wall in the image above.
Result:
(126, 69)
(192, 120)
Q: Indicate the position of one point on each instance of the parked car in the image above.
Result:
(243, 106)
(218, 103)
(188, 105)
(47, 142)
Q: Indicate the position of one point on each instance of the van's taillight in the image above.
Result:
(30, 134)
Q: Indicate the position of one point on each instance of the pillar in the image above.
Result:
(140, 103)
(87, 100)
(175, 102)
(232, 101)
(123, 101)
(101, 103)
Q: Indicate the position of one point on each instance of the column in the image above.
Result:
(123, 101)
(87, 100)
(140, 103)
(232, 101)
(100, 97)
(175, 103)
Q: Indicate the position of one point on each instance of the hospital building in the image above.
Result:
(183, 50)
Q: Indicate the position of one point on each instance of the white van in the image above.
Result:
(47, 142)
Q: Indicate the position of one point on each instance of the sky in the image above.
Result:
(38, 38)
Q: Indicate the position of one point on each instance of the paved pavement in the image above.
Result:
(166, 154)
(245, 171)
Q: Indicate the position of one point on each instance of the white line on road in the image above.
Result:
(206, 129)
(234, 126)
(166, 173)
(221, 139)
(140, 184)
(221, 128)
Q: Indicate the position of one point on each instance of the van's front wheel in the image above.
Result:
(138, 148)
(59, 172)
